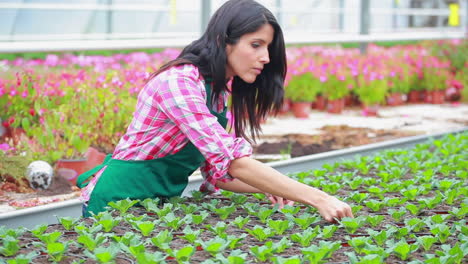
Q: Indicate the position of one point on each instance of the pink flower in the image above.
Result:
(5, 147)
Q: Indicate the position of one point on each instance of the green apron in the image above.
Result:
(163, 177)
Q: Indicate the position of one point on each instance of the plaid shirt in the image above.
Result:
(171, 111)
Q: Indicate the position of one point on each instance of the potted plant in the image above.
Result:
(398, 85)
(336, 88)
(302, 90)
(371, 90)
(63, 136)
(435, 82)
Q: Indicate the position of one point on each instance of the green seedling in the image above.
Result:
(317, 254)
(305, 220)
(328, 231)
(162, 239)
(214, 246)
(123, 205)
(426, 241)
(280, 226)
(375, 220)
(305, 238)
(219, 229)
(67, 222)
(351, 225)
(90, 241)
(23, 258)
(225, 211)
(260, 233)
(199, 219)
(10, 246)
(403, 250)
(191, 235)
(241, 221)
(182, 255)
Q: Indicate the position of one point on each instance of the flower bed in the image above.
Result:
(410, 205)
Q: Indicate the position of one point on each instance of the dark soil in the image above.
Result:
(331, 138)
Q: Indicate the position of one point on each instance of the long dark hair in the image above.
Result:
(250, 102)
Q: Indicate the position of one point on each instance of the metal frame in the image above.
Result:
(47, 214)
(77, 42)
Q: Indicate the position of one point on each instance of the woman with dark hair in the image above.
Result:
(180, 119)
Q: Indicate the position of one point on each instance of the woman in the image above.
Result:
(180, 119)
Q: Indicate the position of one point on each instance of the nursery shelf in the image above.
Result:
(47, 214)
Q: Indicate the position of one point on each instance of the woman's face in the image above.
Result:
(247, 57)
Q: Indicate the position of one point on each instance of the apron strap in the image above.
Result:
(80, 182)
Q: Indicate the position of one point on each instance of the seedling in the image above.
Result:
(123, 205)
(351, 225)
(375, 220)
(280, 226)
(91, 242)
(9, 246)
(219, 229)
(182, 255)
(225, 211)
(305, 238)
(241, 221)
(317, 254)
(262, 253)
(305, 220)
(162, 239)
(402, 249)
(426, 241)
(260, 233)
(214, 246)
(67, 222)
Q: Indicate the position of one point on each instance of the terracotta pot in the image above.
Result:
(394, 99)
(286, 107)
(438, 97)
(94, 157)
(335, 106)
(349, 101)
(15, 133)
(301, 109)
(414, 96)
(427, 96)
(320, 103)
(71, 168)
(370, 110)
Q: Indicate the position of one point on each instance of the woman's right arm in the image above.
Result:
(269, 180)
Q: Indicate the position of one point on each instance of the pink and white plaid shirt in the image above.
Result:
(171, 111)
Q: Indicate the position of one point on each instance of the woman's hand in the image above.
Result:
(279, 200)
(333, 209)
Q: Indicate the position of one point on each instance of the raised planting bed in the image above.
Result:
(31, 215)
(410, 206)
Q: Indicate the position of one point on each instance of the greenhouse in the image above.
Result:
(234, 131)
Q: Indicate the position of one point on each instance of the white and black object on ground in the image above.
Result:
(39, 175)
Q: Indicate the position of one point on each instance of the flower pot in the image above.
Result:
(335, 106)
(415, 96)
(71, 168)
(320, 103)
(427, 96)
(394, 99)
(370, 110)
(438, 97)
(94, 157)
(301, 109)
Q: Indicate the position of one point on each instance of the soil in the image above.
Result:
(331, 138)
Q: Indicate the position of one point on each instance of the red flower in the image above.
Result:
(32, 112)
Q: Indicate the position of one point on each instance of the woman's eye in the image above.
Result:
(255, 45)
